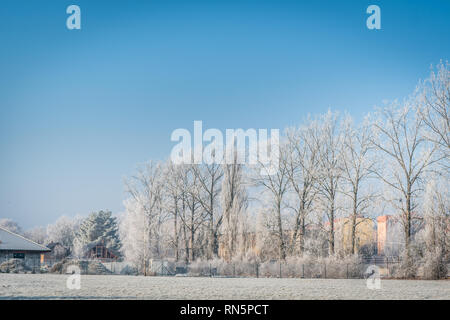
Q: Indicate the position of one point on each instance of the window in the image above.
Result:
(17, 255)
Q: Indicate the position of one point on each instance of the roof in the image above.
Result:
(13, 241)
(52, 245)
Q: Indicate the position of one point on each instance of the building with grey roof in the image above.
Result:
(15, 246)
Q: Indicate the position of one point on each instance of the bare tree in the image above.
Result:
(145, 189)
(399, 136)
(328, 140)
(358, 165)
(10, 225)
(301, 165)
(208, 182)
(276, 185)
(63, 230)
(436, 113)
(37, 234)
(174, 191)
(437, 239)
(234, 202)
(191, 215)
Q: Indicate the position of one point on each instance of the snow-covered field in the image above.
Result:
(51, 286)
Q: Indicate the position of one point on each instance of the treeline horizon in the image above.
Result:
(330, 167)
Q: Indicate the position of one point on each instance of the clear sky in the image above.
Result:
(80, 109)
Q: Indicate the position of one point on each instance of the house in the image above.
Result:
(14, 246)
(98, 250)
(57, 253)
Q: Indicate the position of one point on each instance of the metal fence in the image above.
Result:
(384, 267)
(275, 269)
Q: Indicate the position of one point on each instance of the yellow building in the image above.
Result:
(365, 234)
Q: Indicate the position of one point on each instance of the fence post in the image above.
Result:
(325, 265)
(387, 266)
(280, 269)
(303, 270)
(257, 270)
(210, 271)
(347, 270)
(234, 270)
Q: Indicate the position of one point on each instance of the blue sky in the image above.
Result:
(80, 109)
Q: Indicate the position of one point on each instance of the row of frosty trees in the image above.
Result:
(395, 161)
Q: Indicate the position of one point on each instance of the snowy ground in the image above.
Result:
(50, 286)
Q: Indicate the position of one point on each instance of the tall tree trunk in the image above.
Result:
(331, 234)
(280, 232)
(407, 226)
(302, 235)
(186, 245)
(212, 240)
(192, 245)
(353, 231)
(175, 226)
(299, 230)
(408, 218)
(185, 235)
(192, 258)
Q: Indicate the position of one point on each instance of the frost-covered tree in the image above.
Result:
(208, 187)
(174, 203)
(405, 155)
(436, 113)
(10, 225)
(98, 227)
(193, 217)
(145, 206)
(132, 234)
(266, 241)
(37, 234)
(234, 203)
(301, 164)
(63, 231)
(358, 164)
(436, 234)
(327, 135)
(274, 189)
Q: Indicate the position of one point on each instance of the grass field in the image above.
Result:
(51, 286)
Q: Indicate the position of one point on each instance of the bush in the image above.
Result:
(434, 265)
